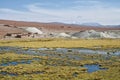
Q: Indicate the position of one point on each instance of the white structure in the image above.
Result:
(33, 30)
(64, 35)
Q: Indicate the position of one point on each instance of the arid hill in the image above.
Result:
(52, 26)
(9, 26)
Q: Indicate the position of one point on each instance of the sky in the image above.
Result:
(106, 12)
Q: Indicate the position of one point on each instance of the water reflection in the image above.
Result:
(93, 67)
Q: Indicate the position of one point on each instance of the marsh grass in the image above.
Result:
(57, 68)
(48, 68)
(64, 43)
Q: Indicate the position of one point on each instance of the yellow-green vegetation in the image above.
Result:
(48, 68)
(66, 43)
(59, 66)
(8, 57)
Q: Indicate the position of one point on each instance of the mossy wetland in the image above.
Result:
(59, 61)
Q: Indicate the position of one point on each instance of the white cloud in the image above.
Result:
(87, 2)
(94, 11)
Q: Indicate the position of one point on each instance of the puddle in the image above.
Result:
(71, 53)
(16, 63)
(87, 51)
(93, 68)
(98, 51)
(58, 50)
(13, 63)
(90, 68)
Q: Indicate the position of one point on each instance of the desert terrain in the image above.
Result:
(57, 30)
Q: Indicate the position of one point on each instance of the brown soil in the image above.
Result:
(13, 27)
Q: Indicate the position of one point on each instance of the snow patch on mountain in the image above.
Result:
(91, 24)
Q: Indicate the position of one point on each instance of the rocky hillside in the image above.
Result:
(55, 29)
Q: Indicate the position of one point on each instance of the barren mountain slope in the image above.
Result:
(53, 26)
(5, 29)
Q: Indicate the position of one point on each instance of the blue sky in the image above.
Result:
(106, 12)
